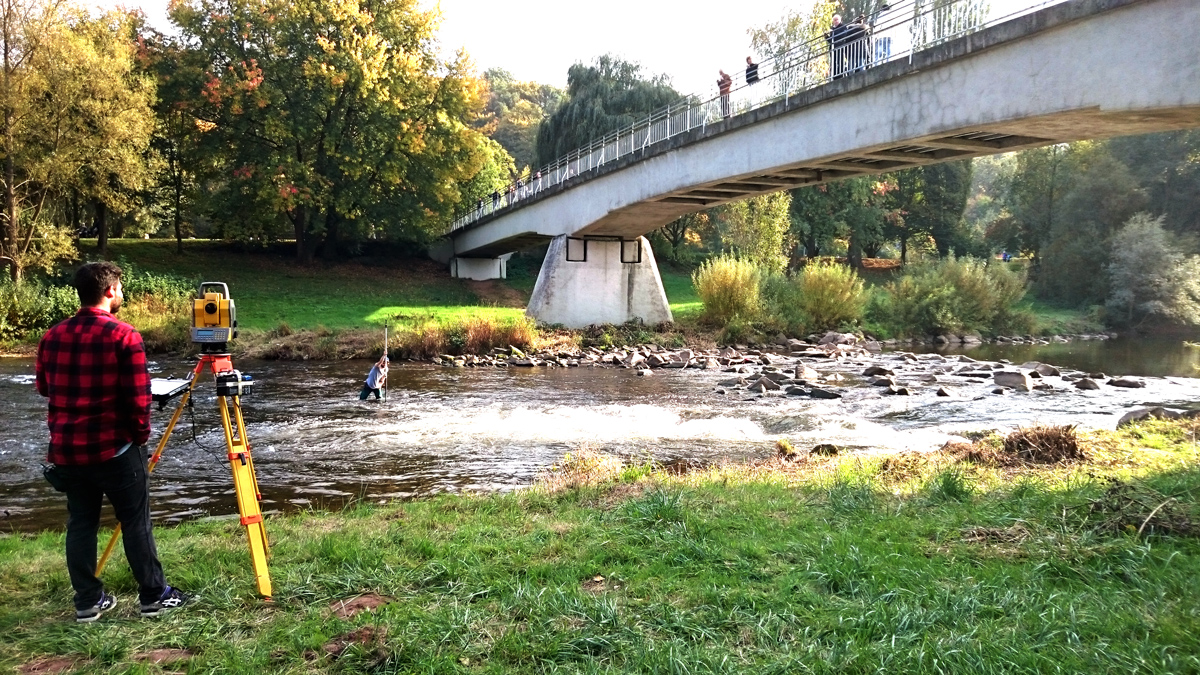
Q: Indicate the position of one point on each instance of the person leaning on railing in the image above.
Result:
(724, 86)
(751, 71)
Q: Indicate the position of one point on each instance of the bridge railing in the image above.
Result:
(897, 31)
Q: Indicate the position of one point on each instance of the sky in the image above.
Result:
(539, 40)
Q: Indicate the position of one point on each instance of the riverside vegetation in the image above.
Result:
(1045, 550)
(338, 311)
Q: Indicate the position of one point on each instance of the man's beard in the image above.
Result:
(116, 305)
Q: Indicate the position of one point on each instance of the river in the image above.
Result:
(465, 429)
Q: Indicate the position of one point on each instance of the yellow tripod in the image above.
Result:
(245, 482)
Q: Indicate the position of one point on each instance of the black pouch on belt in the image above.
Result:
(54, 477)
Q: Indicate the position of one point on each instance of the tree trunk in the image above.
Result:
(178, 180)
(101, 222)
(332, 221)
(903, 249)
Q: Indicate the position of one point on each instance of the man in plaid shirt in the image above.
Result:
(92, 367)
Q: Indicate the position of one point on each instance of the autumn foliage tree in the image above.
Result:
(336, 119)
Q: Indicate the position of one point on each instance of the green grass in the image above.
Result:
(1052, 320)
(685, 303)
(848, 565)
(270, 288)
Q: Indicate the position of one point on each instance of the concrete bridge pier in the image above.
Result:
(599, 280)
(480, 269)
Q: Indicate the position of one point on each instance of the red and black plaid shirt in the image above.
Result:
(92, 367)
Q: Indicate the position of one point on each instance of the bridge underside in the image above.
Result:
(1074, 71)
(636, 219)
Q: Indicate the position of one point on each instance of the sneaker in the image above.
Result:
(171, 599)
(105, 603)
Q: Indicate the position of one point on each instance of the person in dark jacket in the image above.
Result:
(92, 368)
(751, 71)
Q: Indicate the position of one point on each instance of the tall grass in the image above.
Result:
(469, 335)
(728, 286)
(831, 294)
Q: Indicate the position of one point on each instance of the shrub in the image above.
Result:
(729, 288)
(955, 295)
(30, 307)
(831, 294)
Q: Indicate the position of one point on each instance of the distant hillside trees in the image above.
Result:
(514, 112)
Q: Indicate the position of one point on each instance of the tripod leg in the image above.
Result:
(162, 444)
(247, 496)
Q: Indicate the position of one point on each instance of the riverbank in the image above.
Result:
(971, 559)
(337, 310)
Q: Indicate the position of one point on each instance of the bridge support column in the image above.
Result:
(480, 269)
(591, 281)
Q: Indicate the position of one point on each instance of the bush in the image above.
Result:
(831, 294)
(954, 295)
(729, 288)
(28, 308)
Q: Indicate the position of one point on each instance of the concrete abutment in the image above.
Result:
(593, 281)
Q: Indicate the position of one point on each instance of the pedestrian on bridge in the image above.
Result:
(751, 71)
(495, 200)
(724, 86)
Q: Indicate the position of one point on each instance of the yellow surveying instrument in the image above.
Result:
(214, 323)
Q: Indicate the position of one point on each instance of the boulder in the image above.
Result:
(942, 391)
(734, 382)
(1010, 378)
(1126, 382)
(877, 370)
(1157, 413)
(1000, 390)
(711, 364)
(634, 360)
(796, 391)
(827, 449)
(775, 377)
(803, 372)
(657, 361)
(823, 393)
(1086, 383)
(1046, 370)
(896, 391)
(645, 372)
(765, 383)
(928, 378)
(883, 382)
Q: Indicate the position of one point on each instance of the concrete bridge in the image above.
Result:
(1081, 69)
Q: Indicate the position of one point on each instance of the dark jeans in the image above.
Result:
(366, 392)
(124, 480)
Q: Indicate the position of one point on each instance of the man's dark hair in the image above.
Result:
(92, 279)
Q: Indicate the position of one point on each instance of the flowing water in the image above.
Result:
(444, 429)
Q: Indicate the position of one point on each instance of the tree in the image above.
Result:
(1150, 276)
(756, 229)
(335, 115)
(515, 110)
(944, 191)
(179, 135)
(609, 95)
(683, 229)
(76, 122)
(814, 220)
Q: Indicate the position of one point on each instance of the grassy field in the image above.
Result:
(270, 289)
(951, 562)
